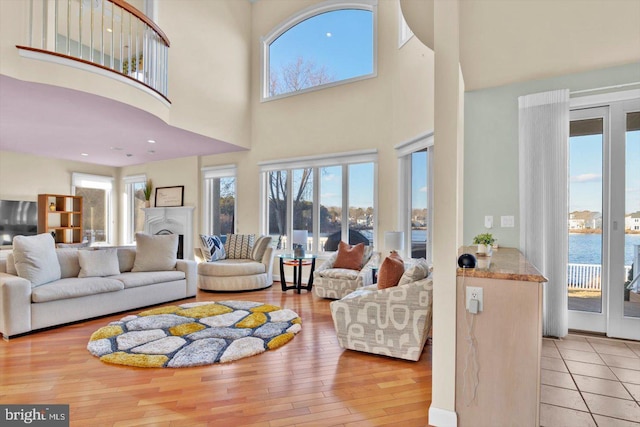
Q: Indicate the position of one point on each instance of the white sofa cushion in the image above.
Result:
(133, 280)
(69, 262)
(35, 258)
(126, 258)
(75, 287)
(98, 263)
(155, 253)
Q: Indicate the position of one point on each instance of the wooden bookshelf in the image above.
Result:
(60, 215)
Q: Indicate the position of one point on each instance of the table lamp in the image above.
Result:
(394, 241)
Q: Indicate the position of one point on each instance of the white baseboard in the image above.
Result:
(442, 417)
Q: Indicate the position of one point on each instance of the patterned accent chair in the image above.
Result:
(392, 322)
(335, 283)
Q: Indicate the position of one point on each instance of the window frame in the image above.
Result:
(404, 151)
(303, 15)
(128, 203)
(208, 175)
(316, 163)
(104, 183)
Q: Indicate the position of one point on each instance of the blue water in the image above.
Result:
(587, 248)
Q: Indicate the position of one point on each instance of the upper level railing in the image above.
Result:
(110, 34)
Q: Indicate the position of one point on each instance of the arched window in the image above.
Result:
(330, 43)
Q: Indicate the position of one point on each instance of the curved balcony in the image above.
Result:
(109, 34)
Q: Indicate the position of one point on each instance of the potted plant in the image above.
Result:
(484, 242)
(148, 188)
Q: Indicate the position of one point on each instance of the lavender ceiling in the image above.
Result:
(62, 123)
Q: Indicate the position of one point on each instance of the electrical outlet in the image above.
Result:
(474, 292)
(488, 221)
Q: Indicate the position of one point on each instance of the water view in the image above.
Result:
(587, 248)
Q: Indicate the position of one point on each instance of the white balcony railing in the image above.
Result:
(587, 276)
(110, 34)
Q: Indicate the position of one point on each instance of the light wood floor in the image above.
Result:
(310, 381)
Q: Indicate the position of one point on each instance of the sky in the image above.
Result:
(585, 166)
(339, 40)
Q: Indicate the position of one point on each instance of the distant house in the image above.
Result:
(632, 221)
(585, 220)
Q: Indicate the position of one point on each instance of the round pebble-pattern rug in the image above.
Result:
(194, 334)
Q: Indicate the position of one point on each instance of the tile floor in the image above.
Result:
(590, 381)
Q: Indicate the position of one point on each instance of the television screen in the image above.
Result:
(17, 218)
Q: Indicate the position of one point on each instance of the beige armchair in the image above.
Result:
(335, 283)
(232, 275)
(392, 322)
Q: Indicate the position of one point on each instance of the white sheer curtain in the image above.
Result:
(543, 145)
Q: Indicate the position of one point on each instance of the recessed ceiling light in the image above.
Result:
(151, 151)
(109, 30)
(329, 34)
(116, 148)
(84, 154)
(151, 141)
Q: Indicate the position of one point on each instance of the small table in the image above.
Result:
(297, 262)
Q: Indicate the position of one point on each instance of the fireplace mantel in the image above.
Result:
(178, 220)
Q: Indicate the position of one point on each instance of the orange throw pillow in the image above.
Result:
(390, 271)
(349, 257)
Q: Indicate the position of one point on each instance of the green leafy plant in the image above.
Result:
(148, 188)
(484, 239)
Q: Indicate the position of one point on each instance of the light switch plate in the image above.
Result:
(507, 221)
(488, 221)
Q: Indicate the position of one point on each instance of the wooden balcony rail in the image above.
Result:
(109, 34)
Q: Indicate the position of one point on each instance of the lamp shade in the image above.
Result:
(394, 240)
(300, 237)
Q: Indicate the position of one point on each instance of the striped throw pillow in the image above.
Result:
(239, 246)
(212, 247)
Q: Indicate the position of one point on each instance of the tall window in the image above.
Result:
(332, 198)
(96, 192)
(219, 199)
(132, 206)
(414, 161)
(328, 43)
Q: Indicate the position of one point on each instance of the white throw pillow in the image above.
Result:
(36, 259)
(100, 263)
(155, 253)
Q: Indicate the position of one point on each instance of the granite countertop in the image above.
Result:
(504, 263)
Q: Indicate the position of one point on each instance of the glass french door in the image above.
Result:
(604, 220)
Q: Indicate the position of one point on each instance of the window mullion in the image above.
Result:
(289, 230)
(345, 203)
(316, 209)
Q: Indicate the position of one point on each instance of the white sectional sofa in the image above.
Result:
(25, 307)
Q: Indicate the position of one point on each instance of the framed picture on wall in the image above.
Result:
(169, 196)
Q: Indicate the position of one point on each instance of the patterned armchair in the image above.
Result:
(335, 283)
(391, 322)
